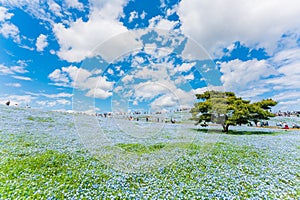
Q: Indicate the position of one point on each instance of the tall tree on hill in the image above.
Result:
(226, 109)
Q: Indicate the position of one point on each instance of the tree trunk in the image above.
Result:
(255, 122)
(225, 127)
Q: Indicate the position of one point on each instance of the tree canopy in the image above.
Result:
(226, 109)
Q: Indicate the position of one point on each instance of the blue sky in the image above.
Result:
(121, 55)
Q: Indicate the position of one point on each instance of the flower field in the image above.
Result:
(44, 157)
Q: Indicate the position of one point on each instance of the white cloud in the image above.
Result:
(82, 79)
(287, 95)
(17, 85)
(46, 103)
(110, 71)
(143, 15)
(5, 70)
(189, 76)
(99, 93)
(55, 8)
(239, 76)
(74, 4)
(58, 76)
(63, 102)
(119, 45)
(52, 96)
(9, 30)
(4, 15)
(133, 15)
(97, 71)
(219, 23)
(287, 62)
(18, 69)
(78, 40)
(148, 90)
(24, 78)
(208, 88)
(127, 78)
(41, 42)
(32, 7)
(52, 103)
(164, 102)
(17, 99)
(194, 51)
(254, 91)
(159, 22)
(287, 56)
(185, 67)
(288, 105)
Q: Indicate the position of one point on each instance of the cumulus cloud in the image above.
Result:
(165, 102)
(74, 4)
(55, 8)
(218, 23)
(159, 22)
(41, 42)
(157, 85)
(240, 75)
(58, 76)
(78, 40)
(148, 90)
(84, 80)
(185, 67)
(98, 93)
(9, 30)
(4, 14)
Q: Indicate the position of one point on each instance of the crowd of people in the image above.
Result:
(158, 117)
(284, 125)
(288, 113)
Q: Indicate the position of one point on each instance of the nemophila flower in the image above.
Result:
(251, 166)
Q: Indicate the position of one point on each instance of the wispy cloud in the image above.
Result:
(13, 85)
(246, 78)
(52, 96)
(24, 78)
(5, 70)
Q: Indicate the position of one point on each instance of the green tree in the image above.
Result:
(226, 109)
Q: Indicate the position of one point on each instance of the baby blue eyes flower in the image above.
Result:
(47, 160)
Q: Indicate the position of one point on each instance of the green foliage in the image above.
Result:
(235, 132)
(40, 119)
(226, 109)
(140, 148)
